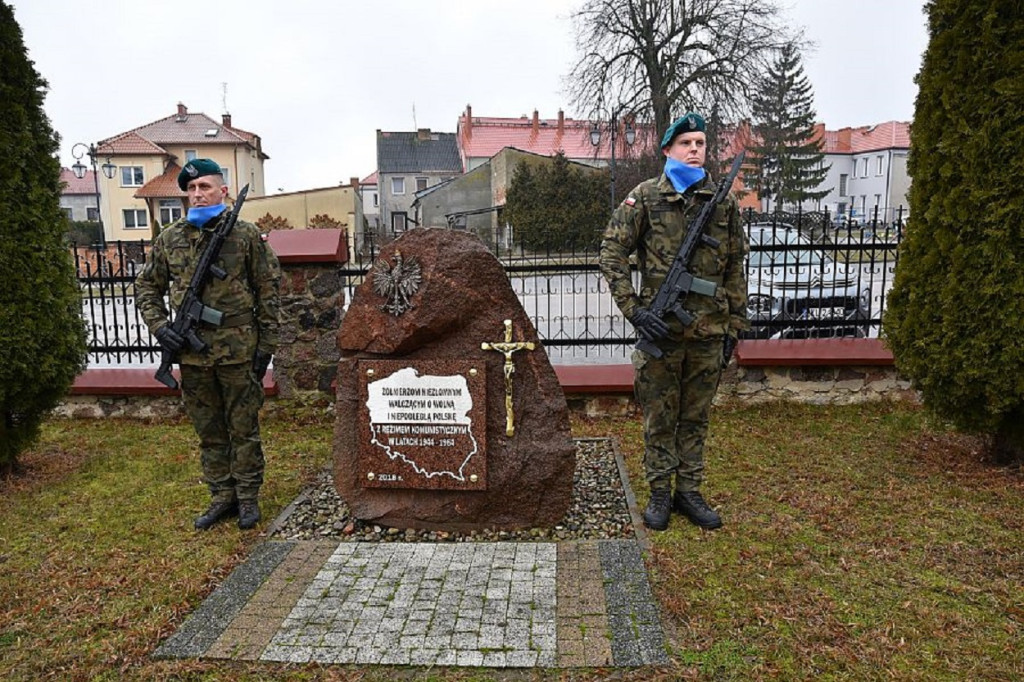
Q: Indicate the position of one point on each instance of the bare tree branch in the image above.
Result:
(654, 59)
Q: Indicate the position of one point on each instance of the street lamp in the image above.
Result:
(595, 139)
(79, 170)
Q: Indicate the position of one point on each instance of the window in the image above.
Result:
(880, 161)
(841, 209)
(878, 200)
(421, 184)
(170, 210)
(92, 213)
(843, 179)
(375, 204)
(398, 222)
(863, 168)
(67, 212)
(131, 176)
(226, 174)
(398, 185)
(190, 155)
(134, 218)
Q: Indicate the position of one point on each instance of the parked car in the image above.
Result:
(797, 290)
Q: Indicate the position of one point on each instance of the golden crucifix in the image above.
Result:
(507, 347)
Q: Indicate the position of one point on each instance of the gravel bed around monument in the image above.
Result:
(598, 510)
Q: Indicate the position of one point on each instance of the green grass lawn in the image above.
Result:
(860, 543)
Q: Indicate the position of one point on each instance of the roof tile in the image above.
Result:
(164, 186)
(128, 143)
(74, 185)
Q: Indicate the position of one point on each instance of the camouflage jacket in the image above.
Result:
(248, 296)
(652, 222)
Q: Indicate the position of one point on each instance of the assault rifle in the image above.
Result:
(192, 310)
(679, 281)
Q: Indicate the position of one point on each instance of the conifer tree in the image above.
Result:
(554, 205)
(42, 334)
(955, 317)
(788, 155)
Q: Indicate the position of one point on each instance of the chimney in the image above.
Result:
(845, 139)
(469, 121)
(536, 123)
(354, 182)
(423, 134)
(225, 119)
(182, 112)
(561, 121)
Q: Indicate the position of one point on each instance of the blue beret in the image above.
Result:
(689, 123)
(197, 168)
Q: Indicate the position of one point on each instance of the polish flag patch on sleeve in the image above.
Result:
(630, 201)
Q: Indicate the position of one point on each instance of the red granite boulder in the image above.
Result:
(460, 299)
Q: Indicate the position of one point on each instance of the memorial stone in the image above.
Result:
(449, 415)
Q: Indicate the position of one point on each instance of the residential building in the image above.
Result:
(143, 195)
(474, 201)
(869, 170)
(370, 194)
(481, 138)
(313, 208)
(407, 163)
(78, 198)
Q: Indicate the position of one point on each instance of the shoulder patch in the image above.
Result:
(630, 201)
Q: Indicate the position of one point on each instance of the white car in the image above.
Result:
(796, 290)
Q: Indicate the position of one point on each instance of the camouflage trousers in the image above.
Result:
(675, 393)
(223, 402)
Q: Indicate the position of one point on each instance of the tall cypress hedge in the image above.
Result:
(42, 334)
(955, 318)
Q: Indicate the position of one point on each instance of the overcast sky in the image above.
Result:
(317, 78)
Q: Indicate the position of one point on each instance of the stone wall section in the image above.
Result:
(818, 385)
(312, 300)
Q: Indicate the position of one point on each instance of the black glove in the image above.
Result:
(170, 340)
(728, 346)
(649, 325)
(260, 362)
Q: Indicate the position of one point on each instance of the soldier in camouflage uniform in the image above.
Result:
(223, 387)
(676, 390)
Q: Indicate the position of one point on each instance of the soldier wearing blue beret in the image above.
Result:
(222, 388)
(676, 390)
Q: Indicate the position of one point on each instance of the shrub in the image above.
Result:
(273, 222)
(42, 334)
(955, 317)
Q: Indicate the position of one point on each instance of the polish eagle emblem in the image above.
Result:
(397, 283)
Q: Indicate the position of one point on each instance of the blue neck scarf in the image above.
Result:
(682, 176)
(200, 215)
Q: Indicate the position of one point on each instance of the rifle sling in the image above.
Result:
(231, 321)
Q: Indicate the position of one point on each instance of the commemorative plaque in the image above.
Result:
(424, 425)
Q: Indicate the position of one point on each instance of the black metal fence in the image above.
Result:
(808, 276)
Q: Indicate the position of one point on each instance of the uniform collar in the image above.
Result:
(669, 192)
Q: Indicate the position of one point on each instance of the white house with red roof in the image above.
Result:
(144, 194)
(78, 197)
(369, 193)
(868, 170)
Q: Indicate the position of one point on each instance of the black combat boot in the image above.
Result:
(219, 509)
(691, 504)
(658, 510)
(248, 514)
